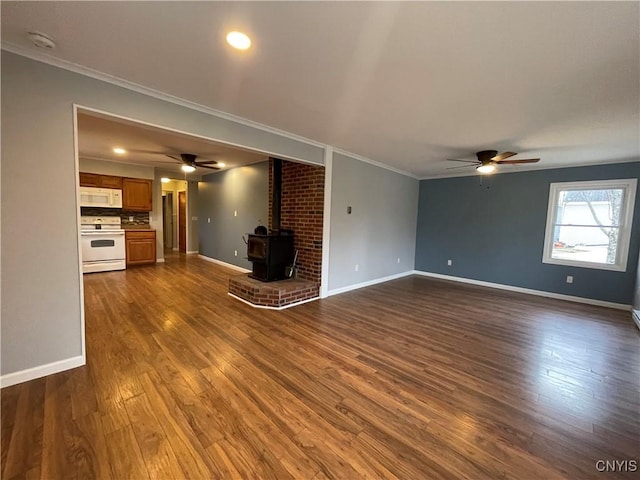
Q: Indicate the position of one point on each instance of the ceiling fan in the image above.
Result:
(189, 162)
(488, 159)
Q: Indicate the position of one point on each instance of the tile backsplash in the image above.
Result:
(139, 218)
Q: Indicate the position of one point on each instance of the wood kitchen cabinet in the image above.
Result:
(136, 195)
(140, 247)
(109, 181)
(101, 181)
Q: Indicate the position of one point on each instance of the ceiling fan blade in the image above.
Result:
(461, 166)
(503, 155)
(170, 156)
(513, 162)
(206, 162)
(466, 161)
(206, 166)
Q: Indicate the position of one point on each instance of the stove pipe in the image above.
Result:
(276, 194)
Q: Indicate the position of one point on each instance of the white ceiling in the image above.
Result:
(408, 84)
(98, 135)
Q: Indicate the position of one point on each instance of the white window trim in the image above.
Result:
(626, 220)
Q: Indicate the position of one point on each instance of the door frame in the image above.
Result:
(167, 202)
(186, 219)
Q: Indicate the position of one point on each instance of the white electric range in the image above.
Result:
(103, 247)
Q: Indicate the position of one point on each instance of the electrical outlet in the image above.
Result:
(208, 220)
(349, 210)
(194, 218)
(398, 260)
(235, 213)
(357, 267)
(569, 278)
(449, 262)
(235, 253)
(131, 218)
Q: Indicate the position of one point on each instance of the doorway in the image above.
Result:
(174, 224)
(167, 220)
(182, 221)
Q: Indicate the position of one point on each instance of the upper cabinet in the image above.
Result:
(101, 181)
(136, 194)
(108, 181)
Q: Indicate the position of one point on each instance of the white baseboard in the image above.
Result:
(636, 317)
(159, 260)
(355, 286)
(540, 293)
(41, 371)
(175, 249)
(224, 264)
(192, 252)
(272, 308)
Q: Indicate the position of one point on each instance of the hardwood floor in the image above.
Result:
(412, 379)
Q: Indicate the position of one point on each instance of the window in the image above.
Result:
(589, 224)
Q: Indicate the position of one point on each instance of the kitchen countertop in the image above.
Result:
(138, 228)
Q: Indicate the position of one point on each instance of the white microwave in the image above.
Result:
(100, 197)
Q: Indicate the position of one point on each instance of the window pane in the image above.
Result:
(585, 244)
(590, 207)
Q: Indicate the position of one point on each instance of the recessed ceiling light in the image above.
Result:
(221, 164)
(238, 40)
(119, 151)
(188, 168)
(41, 40)
(486, 168)
(165, 180)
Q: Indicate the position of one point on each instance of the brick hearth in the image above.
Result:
(273, 294)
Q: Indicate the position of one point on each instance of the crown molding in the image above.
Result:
(105, 77)
(531, 169)
(360, 158)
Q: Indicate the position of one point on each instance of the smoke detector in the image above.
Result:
(40, 40)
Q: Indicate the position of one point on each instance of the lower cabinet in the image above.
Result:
(140, 246)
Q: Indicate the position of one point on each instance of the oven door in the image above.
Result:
(102, 245)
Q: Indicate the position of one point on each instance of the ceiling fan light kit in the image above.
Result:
(489, 168)
(489, 159)
(190, 162)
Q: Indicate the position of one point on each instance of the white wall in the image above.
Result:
(42, 322)
(381, 227)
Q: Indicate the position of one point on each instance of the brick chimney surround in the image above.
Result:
(302, 210)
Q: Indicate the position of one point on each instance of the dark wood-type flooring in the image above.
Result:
(412, 379)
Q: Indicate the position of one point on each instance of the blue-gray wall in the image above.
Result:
(494, 232)
(244, 190)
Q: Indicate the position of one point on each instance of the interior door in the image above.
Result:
(182, 221)
(167, 218)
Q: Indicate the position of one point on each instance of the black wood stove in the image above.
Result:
(271, 253)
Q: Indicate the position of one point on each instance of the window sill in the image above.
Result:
(593, 266)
